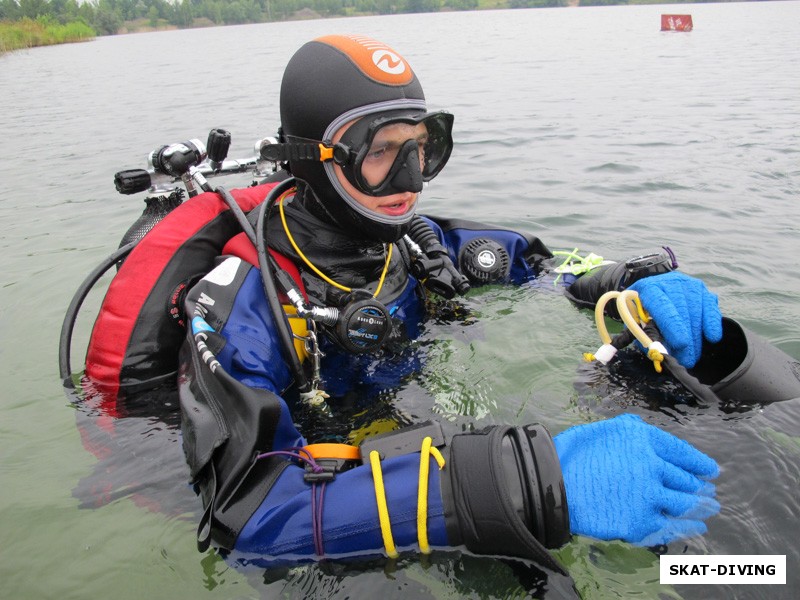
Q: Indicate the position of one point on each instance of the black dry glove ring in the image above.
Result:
(505, 494)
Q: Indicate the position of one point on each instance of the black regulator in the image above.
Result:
(431, 262)
(360, 324)
(363, 323)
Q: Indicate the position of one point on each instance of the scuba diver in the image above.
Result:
(329, 285)
(302, 295)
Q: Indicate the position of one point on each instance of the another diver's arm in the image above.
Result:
(587, 289)
(684, 310)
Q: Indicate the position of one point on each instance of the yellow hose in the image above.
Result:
(600, 318)
(632, 313)
(626, 300)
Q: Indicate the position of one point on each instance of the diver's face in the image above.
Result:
(376, 164)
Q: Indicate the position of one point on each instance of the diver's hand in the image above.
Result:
(628, 480)
(685, 312)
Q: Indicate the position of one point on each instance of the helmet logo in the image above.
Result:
(388, 62)
(374, 59)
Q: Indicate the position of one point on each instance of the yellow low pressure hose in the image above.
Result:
(607, 351)
(632, 313)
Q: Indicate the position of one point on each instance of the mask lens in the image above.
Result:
(385, 152)
(438, 144)
(384, 149)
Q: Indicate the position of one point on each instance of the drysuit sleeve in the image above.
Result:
(487, 254)
(587, 289)
(482, 492)
(265, 496)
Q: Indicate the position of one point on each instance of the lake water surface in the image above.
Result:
(586, 126)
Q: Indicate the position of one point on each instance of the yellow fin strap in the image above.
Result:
(383, 510)
(422, 496)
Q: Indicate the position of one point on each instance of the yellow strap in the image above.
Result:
(657, 358)
(383, 510)
(422, 496)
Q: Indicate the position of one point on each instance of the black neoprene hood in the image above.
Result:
(329, 82)
(333, 75)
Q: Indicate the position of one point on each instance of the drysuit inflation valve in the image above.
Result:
(484, 261)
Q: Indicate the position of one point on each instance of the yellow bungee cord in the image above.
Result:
(315, 269)
(427, 450)
(383, 509)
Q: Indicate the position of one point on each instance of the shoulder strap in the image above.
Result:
(239, 245)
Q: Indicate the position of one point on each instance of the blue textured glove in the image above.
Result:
(629, 480)
(684, 311)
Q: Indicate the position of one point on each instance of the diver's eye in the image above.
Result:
(376, 153)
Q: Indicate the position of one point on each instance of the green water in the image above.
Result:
(587, 127)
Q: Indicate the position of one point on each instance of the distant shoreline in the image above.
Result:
(46, 30)
(28, 33)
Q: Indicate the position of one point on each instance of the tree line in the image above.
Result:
(107, 17)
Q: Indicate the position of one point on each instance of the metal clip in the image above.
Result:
(315, 396)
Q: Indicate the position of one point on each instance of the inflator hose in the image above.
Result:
(71, 316)
(690, 382)
(271, 292)
(238, 213)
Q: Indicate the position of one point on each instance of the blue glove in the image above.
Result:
(629, 480)
(684, 311)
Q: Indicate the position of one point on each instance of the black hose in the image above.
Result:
(284, 329)
(424, 235)
(71, 316)
(267, 274)
(270, 291)
(689, 381)
(623, 339)
(238, 213)
(441, 275)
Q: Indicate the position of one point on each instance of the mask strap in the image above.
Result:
(305, 150)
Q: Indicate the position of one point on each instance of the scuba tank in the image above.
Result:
(137, 334)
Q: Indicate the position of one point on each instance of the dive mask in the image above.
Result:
(390, 154)
(395, 153)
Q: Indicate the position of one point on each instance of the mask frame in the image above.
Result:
(405, 174)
